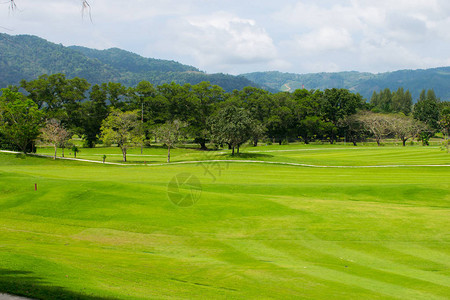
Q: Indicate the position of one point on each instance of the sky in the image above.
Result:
(236, 37)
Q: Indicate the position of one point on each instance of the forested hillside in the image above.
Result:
(27, 57)
(415, 81)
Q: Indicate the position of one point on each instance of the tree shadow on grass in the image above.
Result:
(141, 162)
(260, 156)
(24, 283)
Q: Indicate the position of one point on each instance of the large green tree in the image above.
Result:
(20, 120)
(281, 121)
(140, 98)
(401, 102)
(205, 98)
(232, 125)
(94, 111)
(337, 104)
(58, 97)
(308, 114)
(428, 109)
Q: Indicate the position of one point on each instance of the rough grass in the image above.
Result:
(257, 231)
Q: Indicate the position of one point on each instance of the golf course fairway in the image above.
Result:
(223, 229)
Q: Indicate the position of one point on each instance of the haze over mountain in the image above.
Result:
(437, 79)
(27, 57)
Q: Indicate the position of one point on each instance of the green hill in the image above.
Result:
(363, 83)
(27, 57)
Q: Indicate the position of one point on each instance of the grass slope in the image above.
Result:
(269, 231)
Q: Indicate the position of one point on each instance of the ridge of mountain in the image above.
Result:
(27, 57)
(364, 83)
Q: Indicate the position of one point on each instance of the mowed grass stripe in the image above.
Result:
(423, 252)
(382, 267)
(361, 265)
(271, 255)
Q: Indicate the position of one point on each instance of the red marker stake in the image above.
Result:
(35, 186)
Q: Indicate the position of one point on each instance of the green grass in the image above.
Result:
(322, 155)
(94, 231)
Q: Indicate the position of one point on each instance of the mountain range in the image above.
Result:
(415, 81)
(27, 57)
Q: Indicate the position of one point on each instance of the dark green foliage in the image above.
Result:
(94, 111)
(232, 125)
(126, 61)
(281, 122)
(27, 57)
(428, 109)
(306, 115)
(337, 105)
(20, 121)
(59, 97)
(395, 102)
(205, 98)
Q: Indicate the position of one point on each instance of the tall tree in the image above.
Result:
(232, 125)
(20, 119)
(58, 97)
(140, 97)
(281, 121)
(428, 109)
(378, 125)
(116, 94)
(405, 127)
(444, 123)
(94, 111)
(169, 133)
(339, 103)
(180, 99)
(121, 128)
(353, 128)
(401, 101)
(308, 114)
(206, 97)
(55, 133)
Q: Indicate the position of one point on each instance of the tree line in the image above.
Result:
(54, 108)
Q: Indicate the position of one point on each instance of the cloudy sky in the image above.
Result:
(235, 37)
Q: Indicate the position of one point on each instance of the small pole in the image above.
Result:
(35, 186)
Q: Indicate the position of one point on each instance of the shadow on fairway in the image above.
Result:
(23, 283)
(247, 156)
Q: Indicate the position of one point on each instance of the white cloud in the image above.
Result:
(380, 34)
(243, 36)
(325, 39)
(222, 41)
